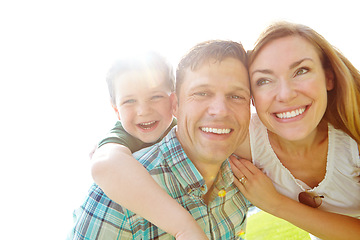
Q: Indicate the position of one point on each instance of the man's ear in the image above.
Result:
(174, 104)
(329, 75)
(116, 110)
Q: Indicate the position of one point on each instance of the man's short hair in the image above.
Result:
(213, 50)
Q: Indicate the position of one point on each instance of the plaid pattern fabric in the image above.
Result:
(223, 218)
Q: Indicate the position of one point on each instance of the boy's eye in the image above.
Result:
(129, 101)
(156, 97)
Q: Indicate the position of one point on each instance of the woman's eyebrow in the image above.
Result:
(293, 65)
(297, 63)
(264, 71)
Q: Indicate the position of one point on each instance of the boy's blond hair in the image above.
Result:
(144, 62)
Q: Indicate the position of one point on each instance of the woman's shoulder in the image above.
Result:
(344, 145)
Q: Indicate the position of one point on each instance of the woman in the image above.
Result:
(306, 134)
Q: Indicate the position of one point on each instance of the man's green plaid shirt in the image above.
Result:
(223, 218)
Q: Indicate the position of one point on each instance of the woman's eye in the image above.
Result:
(301, 71)
(262, 81)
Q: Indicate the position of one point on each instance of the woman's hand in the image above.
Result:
(255, 185)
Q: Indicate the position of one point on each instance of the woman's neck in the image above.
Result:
(306, 159)
(303, 146)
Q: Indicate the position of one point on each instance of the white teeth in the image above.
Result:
(216, 130)
(291, 114)
(148, 123)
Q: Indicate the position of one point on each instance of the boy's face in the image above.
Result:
(143, 104)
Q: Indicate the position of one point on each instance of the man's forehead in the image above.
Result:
(228, 68)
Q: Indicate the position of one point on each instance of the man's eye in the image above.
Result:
(201, 94)
(237, 97)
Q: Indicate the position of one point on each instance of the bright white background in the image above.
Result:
(53, 96)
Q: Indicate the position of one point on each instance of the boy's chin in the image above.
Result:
(150, 139)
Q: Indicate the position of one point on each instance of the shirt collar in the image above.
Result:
(186, 172)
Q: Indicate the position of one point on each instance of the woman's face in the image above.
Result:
(289, 87)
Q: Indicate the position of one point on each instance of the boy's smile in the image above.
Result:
(143, 104)
(148, 125)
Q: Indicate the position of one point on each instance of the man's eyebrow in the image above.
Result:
(293, 65)
(241, 89)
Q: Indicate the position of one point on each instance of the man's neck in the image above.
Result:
(210, 174)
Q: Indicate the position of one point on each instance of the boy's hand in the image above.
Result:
(197, 235)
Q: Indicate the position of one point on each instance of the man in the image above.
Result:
(212, 107)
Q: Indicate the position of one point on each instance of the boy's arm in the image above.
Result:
(126, 181)
(261, 192)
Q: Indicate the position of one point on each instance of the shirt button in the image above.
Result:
(222, 193)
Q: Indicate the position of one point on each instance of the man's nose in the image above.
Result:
(218, 106)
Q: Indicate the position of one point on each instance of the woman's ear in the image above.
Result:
(174, 104)
(329, 75)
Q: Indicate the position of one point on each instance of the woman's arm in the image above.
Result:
(259, 190)
(126, 181)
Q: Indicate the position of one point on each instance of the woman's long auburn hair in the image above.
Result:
(343, 108)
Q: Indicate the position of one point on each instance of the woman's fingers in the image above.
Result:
(235, 168)
(240, 169)
(236, 180)
(249, 166)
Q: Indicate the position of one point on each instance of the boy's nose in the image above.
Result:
(143, 108)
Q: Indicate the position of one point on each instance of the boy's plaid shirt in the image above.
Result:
(224, 217)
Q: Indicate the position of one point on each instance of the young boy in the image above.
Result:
(140, 90)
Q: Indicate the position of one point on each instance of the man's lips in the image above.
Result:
(216, 130)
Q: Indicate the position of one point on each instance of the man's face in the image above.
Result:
(213, 110)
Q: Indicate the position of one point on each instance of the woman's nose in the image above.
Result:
(285, 91)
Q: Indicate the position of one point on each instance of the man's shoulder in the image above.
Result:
(160, 153)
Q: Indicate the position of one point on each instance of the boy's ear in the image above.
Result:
(174, 104)
(116, 110)
(329, 79)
